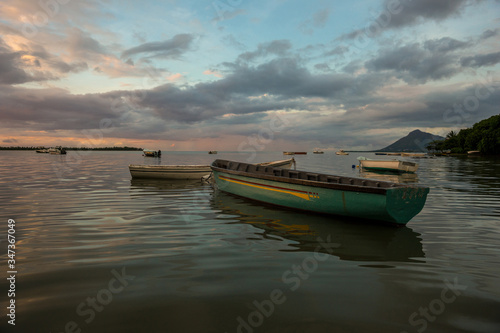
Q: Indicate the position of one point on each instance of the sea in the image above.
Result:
(85, 248)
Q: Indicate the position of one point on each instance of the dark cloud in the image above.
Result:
(15, 70)
(489, 33)
(172, 48)
(396, 14)
(83, 46)
(276, 47)
(10, 141)
(481, 60)
(445, 44)
(414, 64)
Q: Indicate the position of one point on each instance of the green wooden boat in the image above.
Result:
(321, 193)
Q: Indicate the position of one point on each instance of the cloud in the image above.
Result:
(319, 20)
(397, 14)
(10, 141)
(171, 49)
(19, 67)
(416, 64)
(481, 60)
(276, 47)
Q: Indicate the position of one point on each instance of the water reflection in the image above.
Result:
(357, 240)
(390, 176)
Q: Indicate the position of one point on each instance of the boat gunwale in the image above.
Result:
(314, 183)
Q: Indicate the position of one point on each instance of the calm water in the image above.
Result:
(98, 252)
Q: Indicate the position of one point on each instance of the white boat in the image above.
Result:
(57, 151)
(341, 152)
(180, 172)
(43, 151)
(387, 165)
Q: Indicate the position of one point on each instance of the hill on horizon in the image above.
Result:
(415, 141)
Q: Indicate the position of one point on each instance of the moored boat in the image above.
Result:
(187, 171)
(318, 152)
(57, 151)
(341, 152)
(387, 165)
(321, 193)
(151, 153)
(413, 154)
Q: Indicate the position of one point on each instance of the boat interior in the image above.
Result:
(281, 174)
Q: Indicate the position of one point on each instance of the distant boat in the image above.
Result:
(57, 150)
(414, 154)
(318, 152)
(473, 152)
(43, 151)
(179, 172)
(341, 152)
(294, 153)
(213, 152)
(380, 153)
(394, 154)
(387, 165)
(321, 193)
(151, 153)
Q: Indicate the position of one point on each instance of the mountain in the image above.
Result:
(414, 141)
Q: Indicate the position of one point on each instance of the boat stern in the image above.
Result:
(404, 203)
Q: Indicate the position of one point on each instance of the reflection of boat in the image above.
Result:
(57, 150)
(213, 152)
(341, 152)
(387, 165)
(349, 241)
(151, 153)
(390, 176)
(321, 193)
(187, 171)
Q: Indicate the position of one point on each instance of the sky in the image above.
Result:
(244, 75)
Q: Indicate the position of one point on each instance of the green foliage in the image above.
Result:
(483, 136)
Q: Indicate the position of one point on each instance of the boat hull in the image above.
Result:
(169, 171)
(392, 166)
(396, 205)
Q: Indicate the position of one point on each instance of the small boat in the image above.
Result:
(321, 193)
(151, 153)
(318, 152)
(387, 165)
(413, 154)
(213, 152)
(473, 152)
(341, 152)
(180, 172)
(57, 151)
(294, 153)
(43, 151)
(394, 154)
(380, 153)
